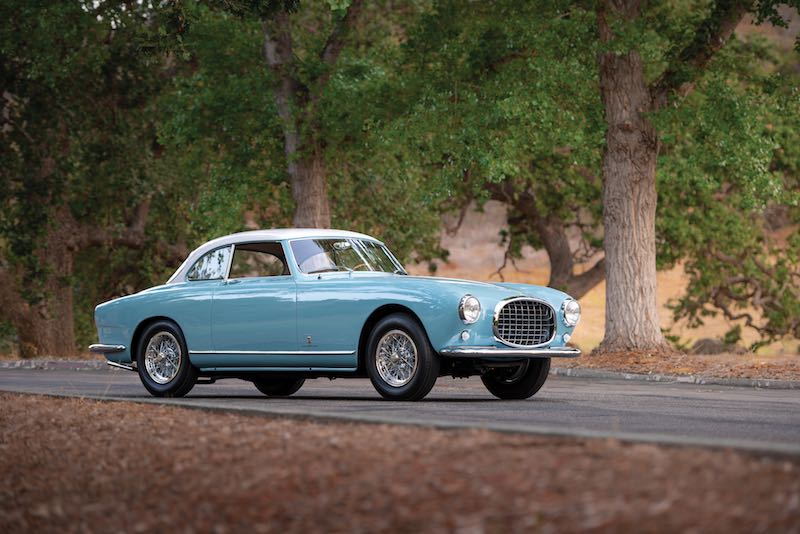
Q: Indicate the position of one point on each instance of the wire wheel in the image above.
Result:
(396, 358)
(162, 357)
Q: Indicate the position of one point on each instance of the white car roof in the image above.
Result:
(275, 234)
(295, 233)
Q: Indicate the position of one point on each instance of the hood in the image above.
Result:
(493, 290)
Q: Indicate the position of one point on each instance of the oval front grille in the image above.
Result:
(525, 323)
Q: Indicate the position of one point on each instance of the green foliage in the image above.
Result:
(221, 126)
(730, 159)
(79, 149)
(77, 93)
(491, 93)
(432, 105)
(220, 131)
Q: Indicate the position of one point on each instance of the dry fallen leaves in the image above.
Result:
(718, 365)
(80, 465)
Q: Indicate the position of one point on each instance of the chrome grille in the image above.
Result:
(525, 323)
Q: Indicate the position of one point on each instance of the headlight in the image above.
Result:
(469, 309)
(572, 312)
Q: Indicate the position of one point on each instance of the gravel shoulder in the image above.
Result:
(78, 465)
(725, 366)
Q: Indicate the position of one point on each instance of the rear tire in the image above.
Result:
(517, 383)
(400, 361)
(279, 387)
(162, 361)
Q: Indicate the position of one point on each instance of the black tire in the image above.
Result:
(516, 383)
(426, 361)
(279, 387)
(183, 380)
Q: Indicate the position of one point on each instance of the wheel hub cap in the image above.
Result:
(162, 357)
(396, 358)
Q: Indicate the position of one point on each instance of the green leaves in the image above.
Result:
(432, 104)
(724, 169)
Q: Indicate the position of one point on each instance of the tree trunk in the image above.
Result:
(309, 189)
(629, 202)
(47, 329)
(305, 162)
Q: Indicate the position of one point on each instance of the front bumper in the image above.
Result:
(509, 352)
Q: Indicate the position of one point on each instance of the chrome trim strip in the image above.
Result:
(277, 352)
(122, 366)
(492, 352)
(102, 348)
(230, 263)
(509, 300)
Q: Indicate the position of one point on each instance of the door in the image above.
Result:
(254, 313)
(331, 309)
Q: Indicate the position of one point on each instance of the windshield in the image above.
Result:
(327, 255)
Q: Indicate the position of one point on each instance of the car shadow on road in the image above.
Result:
(343, 398)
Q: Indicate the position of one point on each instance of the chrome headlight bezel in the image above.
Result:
(469, 309)
(571, 312)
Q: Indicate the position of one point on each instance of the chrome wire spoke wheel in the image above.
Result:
(162, 357)
(396, 358)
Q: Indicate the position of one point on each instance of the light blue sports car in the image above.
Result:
(278, 306)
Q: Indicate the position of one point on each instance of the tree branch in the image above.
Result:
(335, 43)
(712, 34)
(551, 231)
(578, 285)
(279, 55)
(132, 236)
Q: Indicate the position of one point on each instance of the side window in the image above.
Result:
(211, 266)
(258, 260)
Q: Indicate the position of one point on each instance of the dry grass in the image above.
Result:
(78, 465)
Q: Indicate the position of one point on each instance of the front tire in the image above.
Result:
(400, 361)
(163, 361)
(279, 387)
(517, 383)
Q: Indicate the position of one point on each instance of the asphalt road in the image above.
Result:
(673, 413)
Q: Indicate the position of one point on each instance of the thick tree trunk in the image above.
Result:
(629, 204)
(309, 189)
(47, 329)
(305, 161)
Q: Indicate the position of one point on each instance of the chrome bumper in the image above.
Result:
(502, 352)
(101, 348)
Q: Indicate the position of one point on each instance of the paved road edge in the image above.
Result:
(765, 383)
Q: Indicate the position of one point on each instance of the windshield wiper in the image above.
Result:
(334, 268)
